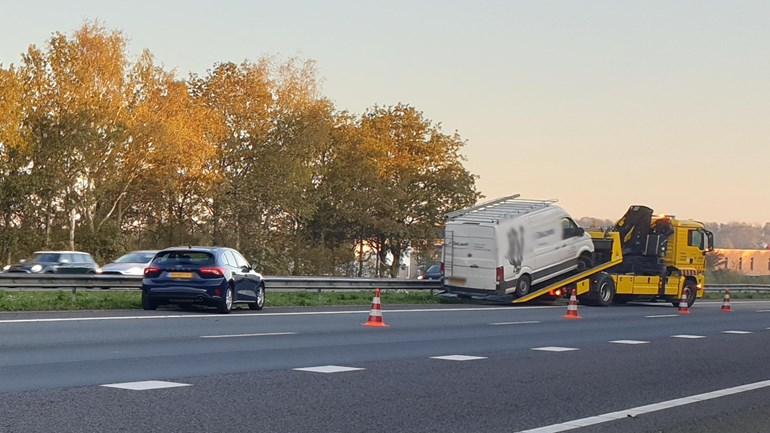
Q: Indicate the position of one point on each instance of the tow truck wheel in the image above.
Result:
(522, 286)
(602, 291)
(691, 290)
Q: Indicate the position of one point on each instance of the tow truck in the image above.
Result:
(644, 257)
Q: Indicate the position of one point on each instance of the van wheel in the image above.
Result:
(585, 261)
(522, 286)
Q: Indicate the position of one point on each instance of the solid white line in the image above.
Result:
(263, 334)
(145, 385)
(640, 410)
(298, 313)
(656, 316)
(525, 322)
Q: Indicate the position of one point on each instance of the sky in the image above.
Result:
(599, 104)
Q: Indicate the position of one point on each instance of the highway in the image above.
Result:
(437, 368)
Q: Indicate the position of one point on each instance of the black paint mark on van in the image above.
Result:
(515, 254)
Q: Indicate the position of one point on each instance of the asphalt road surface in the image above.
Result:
(633, 368)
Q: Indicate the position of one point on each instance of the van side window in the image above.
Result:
(569, 228)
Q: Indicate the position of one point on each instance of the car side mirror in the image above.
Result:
(581, 231)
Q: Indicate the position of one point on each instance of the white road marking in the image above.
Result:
(763, 311)
(263, 334)
(525, 322)
(252, 315)
(629, 342)
(640, 410)
(737, 332)
(657, 316)
(458, 357)
(554, 349)
(688, 336)
(328, 369)
(145, 385)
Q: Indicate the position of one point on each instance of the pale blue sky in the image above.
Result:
(600, 104)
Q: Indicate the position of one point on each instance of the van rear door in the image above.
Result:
(470, 256)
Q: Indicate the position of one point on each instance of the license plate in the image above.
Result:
(455, 281)
(180, 275)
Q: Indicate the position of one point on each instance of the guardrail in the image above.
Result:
(74, 282)
(29, 282)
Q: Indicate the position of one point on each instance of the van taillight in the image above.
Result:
(211, 272)
(151, 272)
(499, 274)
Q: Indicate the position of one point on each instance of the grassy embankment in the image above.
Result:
(65, 300)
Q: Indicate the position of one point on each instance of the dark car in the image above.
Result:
(213, 276)
(432, 273)
(57, 262)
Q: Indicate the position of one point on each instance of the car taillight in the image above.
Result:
(442, 268)
(151, 272)
(211, 272)
(499, 274)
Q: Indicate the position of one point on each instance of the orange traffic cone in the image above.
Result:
(375, 315)
(726, 308)
(683, 308)
(572, 310)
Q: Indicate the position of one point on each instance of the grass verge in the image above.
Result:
(65, 300)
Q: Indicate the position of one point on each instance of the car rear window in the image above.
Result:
(184, 257)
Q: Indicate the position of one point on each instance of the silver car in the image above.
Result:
(132, 263)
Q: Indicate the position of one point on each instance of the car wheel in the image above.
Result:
(522, 286)
(226, 304)
(260, 299)
(147, 304)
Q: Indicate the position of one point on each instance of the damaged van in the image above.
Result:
(507, 246)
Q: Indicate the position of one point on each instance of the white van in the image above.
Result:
(508, 245)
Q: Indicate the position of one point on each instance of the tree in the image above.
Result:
(419, 174)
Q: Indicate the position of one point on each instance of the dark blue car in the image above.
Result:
(213, 276)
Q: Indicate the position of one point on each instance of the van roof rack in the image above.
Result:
(498, 209)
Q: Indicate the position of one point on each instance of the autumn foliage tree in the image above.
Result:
(103, 153)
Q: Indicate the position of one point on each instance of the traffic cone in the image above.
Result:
(572, 310)
(683, 308)
(375, 315)
(726, 308)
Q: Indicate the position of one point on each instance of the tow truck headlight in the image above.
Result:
(36, 268)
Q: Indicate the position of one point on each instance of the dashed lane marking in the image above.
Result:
(737, 332)
(629, 342)
(658, 316)
(525, 322)
(252, 315)
(329, 369)
(458, 357)
(263, 334)
(640, 410)
(554, 349)
(146, 385)
(692, 337)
